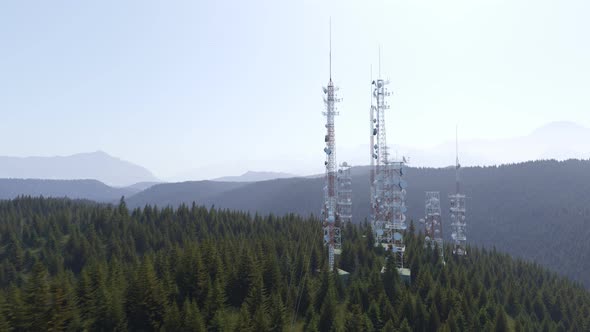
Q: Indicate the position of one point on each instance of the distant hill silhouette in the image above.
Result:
(140, 186)
(252, 176)
(96, 165)
(537, 210)
(174, 194)
(75, 189)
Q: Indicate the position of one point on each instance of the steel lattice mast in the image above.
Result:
(344, 216)
(433, 234)
(457, 201)
(330, 227)
(388, 189)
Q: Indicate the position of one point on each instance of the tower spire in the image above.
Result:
(457, 146)
(330, 49)
(380, 61)
(457, 164)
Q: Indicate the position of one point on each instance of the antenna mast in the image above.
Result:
(388, 188)
(433, 234)
(331, 220)
(457, 200)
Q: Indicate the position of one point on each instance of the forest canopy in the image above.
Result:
(73, 265)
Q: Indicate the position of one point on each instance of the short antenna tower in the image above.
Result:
(433, 233)
(457, 210)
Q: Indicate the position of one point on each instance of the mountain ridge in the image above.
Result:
(96, 165)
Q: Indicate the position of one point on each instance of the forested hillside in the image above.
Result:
(67, 265)
(74, 189)
(535, 210)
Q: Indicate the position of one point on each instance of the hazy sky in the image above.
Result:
(226, 86)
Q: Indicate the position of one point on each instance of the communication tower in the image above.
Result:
(344, 194)
(457, 202)
(433, 234)
(331, 229)
(388, 188)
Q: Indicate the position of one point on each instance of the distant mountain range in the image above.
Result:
(96, 166)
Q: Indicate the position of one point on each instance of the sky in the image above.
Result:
(209, 88)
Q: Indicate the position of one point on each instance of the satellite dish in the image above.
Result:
(325, 90)
(427, 238)
(397, 236)
(403, 184)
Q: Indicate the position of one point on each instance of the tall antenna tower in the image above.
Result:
(331, 229)
(457, 200)
(388, 188)
(433, 234)
(344, 194)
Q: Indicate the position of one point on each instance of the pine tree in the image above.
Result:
(191, 317)
(328, 310)
(501, 323)
(38, 299)
(172, 318)
(278, 318)
(433, 319)
(405, 326)
(389, 327)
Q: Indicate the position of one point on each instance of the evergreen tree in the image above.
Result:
(38, 299)
(501, 323)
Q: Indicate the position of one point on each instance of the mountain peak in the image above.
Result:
(97, 165)
(558, 127)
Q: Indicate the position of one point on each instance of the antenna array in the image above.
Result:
(433, 235)
(388, 188)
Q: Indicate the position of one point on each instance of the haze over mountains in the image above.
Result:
(95, 165)
(556, 140)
